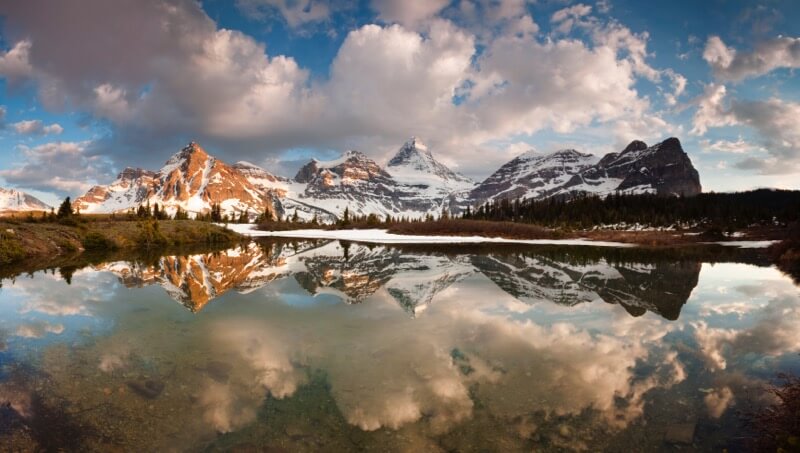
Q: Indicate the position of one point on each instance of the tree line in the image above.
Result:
(725, 210)
(722, 210)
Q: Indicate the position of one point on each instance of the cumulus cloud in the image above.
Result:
(731, 65)
(185, 78)
(739, 146)
(37, 127)
(63, 167)
(14, 64)
(774, 120)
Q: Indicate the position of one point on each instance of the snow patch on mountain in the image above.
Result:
(12, 200)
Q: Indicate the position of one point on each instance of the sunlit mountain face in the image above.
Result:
(303, 345)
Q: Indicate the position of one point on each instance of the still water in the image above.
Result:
(330, 346)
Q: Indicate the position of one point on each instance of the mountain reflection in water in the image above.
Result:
(354, 272)
(526, 349)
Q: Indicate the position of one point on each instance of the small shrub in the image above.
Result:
(150, 235)
(96, 241)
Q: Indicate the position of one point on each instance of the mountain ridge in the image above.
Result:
(412, 183)
(13, 200)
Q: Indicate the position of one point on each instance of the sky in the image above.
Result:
(89, 87)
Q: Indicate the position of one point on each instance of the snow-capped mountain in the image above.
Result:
(664, 169)
(533, 176)
(412, 184)
(424, 183)
(12, 200)
(191, 180)
(132, 187)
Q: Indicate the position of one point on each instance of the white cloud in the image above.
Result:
(773, 119)
(14, 64)
(37, 127)
(63, 167)
(183, 76)
(740, 146)
(731, 65)
(565, 19)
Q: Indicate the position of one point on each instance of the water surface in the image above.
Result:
(335, 346)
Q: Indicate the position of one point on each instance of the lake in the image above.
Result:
(314, 345)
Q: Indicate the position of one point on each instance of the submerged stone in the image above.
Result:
(680, 433)
(149, 388)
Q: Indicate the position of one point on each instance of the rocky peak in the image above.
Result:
(132, 173)
(256, 173)
(414, 164)
(636, 145)
(412, 150)
(191, 157)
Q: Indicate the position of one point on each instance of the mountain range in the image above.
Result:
(413, 183)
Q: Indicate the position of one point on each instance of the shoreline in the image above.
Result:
(385, 236)
(24, 241)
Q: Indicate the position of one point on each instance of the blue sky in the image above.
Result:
(89, 87)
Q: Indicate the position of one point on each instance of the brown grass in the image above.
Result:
(43, 239)
(777, 426)
(461, 227)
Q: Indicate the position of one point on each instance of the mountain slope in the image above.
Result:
(533, 176)
(664, 169)
(423, 183)
(12, 200)
(191, 180)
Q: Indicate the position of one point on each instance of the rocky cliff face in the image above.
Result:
(664, 169)
(533, 176)
(190, 180)
(132, 187)
(16, 201)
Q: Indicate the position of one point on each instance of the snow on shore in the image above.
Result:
(378, 236)
(745, 244)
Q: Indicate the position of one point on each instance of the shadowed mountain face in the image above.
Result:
(661, 288)
(354, 272)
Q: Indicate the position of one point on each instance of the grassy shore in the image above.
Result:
(22, 240)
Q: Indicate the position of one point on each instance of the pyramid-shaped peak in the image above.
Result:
(193, 148)
(411, 150)
(415, 143)
(191, 154)
(636, 145)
